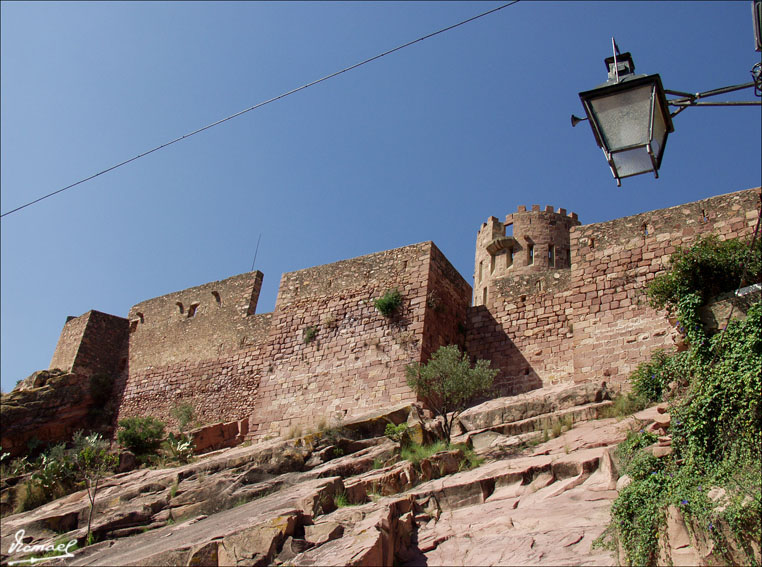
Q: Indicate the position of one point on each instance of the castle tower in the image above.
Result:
(528, 241)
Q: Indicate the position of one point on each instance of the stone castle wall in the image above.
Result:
(356, 361)
(93, 343)
(614, 327)
(196, 324)
(354, 364)
(593, 321)
(582, 317)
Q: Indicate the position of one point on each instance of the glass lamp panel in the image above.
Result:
(632, 162)
(623, 117)
(659, 131)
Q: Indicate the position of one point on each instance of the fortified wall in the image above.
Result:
(590, 320)
(323, 354)
(553, 300)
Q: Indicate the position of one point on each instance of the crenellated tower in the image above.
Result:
(528, 241)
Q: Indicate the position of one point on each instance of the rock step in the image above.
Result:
(401, 476)
(528, 405)
(537, 423)
(478, 485)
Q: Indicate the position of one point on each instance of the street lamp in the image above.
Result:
(630, 118)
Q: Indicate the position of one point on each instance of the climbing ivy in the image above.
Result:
(716, 424)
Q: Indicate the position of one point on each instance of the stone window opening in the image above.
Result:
(192, 309)
(645, 229)
(180, 307)
(704, 218)
(141, 317)
(509, 258)
(481, 271)
(592, 242)
(530, 254)
(134, 325)
(492, 263)
(551, 256)
(484, 296)
(217, 298)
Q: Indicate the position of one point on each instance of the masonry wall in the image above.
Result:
(525, 330)
(93, 343)
(356, 362)
(196, 324)
(593, 322)
(589, 321)
(614, 328)
(68, 342)
(224, 388)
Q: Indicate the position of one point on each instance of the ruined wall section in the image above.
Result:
(614, 327)
(196, 324)
(356, 361)
(68, 343)
(93, 343)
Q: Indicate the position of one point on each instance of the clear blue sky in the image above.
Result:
(424, 144)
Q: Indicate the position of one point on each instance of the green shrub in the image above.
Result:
(710, 267)
(341, 500)
(634, 442)
(184, 413)
(179, 448)
(624, 405)
(398, 433)
(723, 406)
(141, 435)
(389, 303)
(309, 334)
(470, 459)
(651, 378)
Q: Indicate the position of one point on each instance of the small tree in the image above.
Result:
(93, 461)
(447, 382)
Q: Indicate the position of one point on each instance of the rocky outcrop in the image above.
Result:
(541, 502)
(46, 407)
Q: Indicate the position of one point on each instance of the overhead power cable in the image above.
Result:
(258, 105)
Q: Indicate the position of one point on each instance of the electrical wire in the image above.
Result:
(261, 104)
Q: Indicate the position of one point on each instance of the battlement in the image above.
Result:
(527, 242)
(536, 209)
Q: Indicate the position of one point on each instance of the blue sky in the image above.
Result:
(423, 144)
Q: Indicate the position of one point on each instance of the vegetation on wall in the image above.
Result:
(712, 476)
(389, 303)
(708, 268)
(184, 413)
(309, 334)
